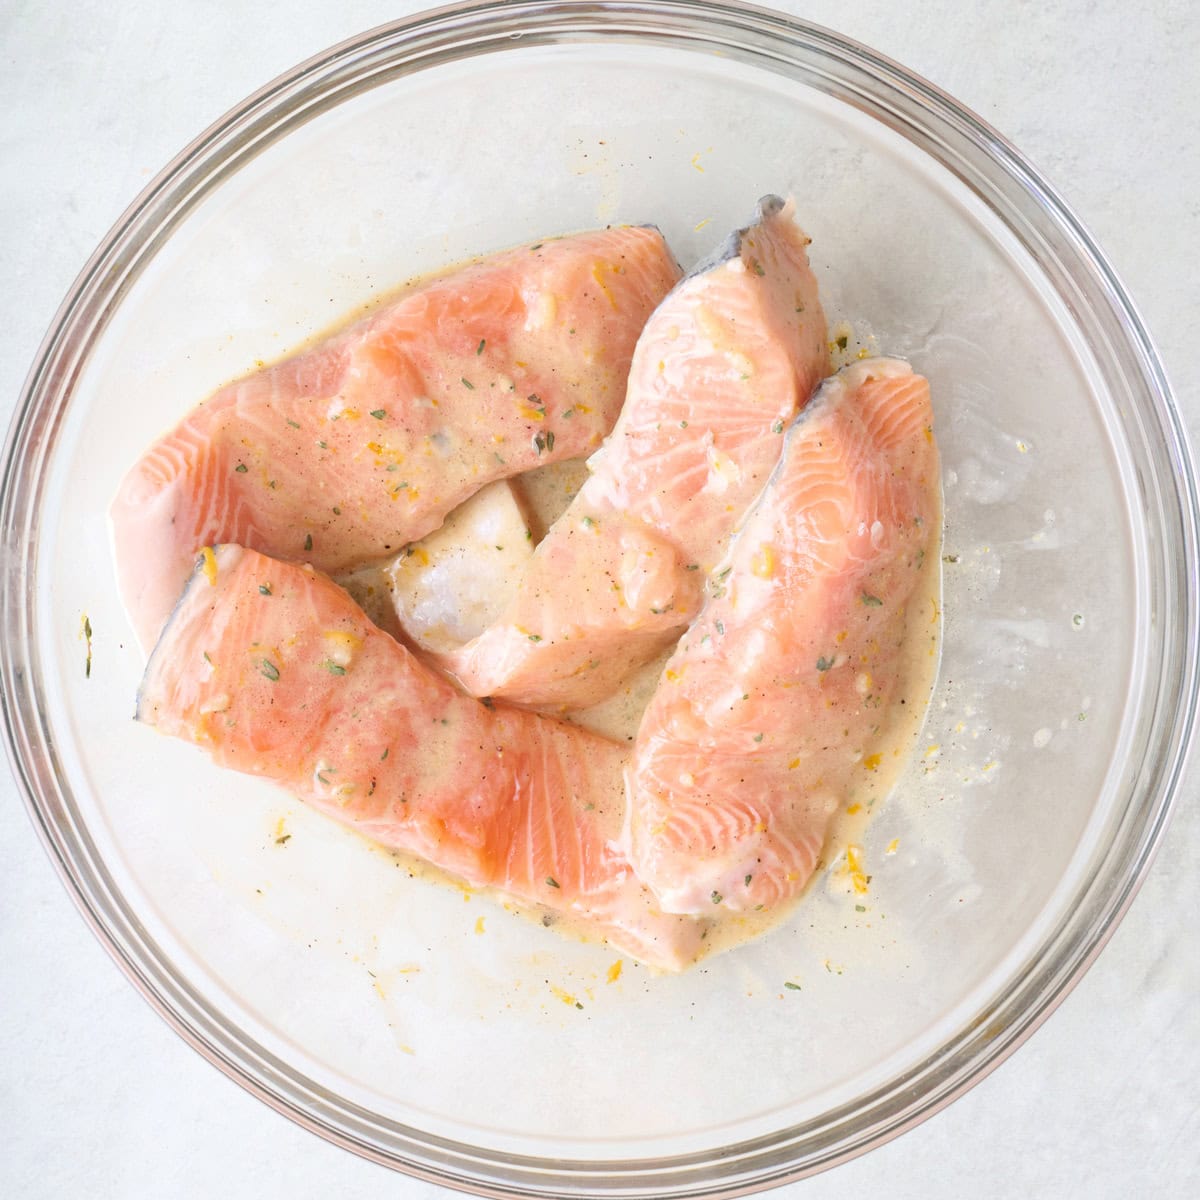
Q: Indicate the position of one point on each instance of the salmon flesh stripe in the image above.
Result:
(722, 367)
(775, 695)
(273, 670)
(344, 453)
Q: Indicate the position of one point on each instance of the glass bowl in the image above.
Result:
(365, 1004)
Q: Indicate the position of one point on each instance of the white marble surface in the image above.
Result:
(99, 1098)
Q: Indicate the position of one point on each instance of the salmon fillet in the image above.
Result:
(722, 367)
(273, 670)
(344, 453)
(776, 692)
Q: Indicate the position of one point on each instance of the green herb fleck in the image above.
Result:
(720, 626)
(823, 663)
(551, 881)
(487, 702)
(860, 908)
(264, 589)
(479, 348)
(758, 737)
(206, 658)
(792, 987)
(588, 522)
(950, 558)
(682, 424)
(379, 413)
(334, 668)
(570, 412)
(777, 426)
(722, 574)
(716, 897)
(550, 439)
(871, 601)
(539, 442)
(535, 637)
(87, 637)
(283, 839)
(385, 754)
(841, 342)
(308, 541)
(270, 670)
(579, 1006)
(467, 384)
(293, 424)
(323, 445)
(537, 247)
(692, 567)
(758, 267)
(746, 881)
(337, 512)
(241, 468)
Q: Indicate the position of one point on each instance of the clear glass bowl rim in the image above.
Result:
(992, 168)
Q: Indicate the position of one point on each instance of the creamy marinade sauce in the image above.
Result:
(545, 493)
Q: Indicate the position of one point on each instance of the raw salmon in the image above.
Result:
(721, 368)
(350, 450)
(778, 689)
(273, 670)
(451, 585)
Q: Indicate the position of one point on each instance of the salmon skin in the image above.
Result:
(722, 367)
(273, 670)
(344, 453)
(774, 696)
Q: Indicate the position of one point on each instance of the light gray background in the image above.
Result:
(99, 1098)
